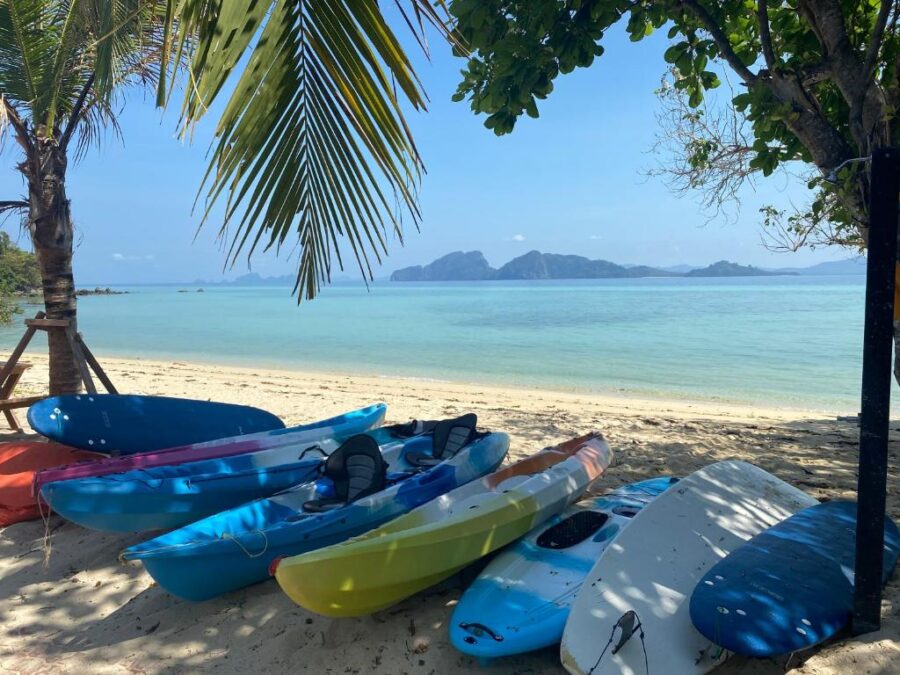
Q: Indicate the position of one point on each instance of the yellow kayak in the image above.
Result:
(430, 543)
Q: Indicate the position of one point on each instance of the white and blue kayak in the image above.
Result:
(521, 601)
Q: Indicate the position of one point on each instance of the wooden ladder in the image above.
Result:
(12, 370)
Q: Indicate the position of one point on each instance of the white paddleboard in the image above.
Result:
(643, 582)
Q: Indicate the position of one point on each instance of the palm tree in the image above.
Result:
(62, 64)
(311, 150)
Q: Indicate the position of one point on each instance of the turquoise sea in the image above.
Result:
(785, 341)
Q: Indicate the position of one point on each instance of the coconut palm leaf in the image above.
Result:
(62, 62)
(312, 149)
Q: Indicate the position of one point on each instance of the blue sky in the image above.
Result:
(571, 181)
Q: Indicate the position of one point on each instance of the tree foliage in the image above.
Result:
(19, 275)
(819, 80)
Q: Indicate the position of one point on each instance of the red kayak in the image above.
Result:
(18, 463)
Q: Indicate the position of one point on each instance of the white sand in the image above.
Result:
(85, 612)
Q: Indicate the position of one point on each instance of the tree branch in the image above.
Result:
(721, 40)
(814, 74)
(76, 112)
(877, 37)
(765, 36)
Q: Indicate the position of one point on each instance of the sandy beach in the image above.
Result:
(86, 612)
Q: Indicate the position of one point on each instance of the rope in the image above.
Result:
(46, 544)
(230, 537)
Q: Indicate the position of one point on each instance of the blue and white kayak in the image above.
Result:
(235, 548)
(119, 424)
(521, 600)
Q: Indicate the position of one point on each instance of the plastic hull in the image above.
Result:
(125, 424)
(235, 548)
(521, 600)
(429, 544)
(339, 427)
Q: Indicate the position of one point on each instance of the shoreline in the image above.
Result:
(618, 400)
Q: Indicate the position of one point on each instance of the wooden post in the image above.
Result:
(876, 389)
(20, 348)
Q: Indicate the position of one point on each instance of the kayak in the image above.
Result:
(235, 548)
(340, 428)
(521, 601)
(409, 554)
(117, 424)
(18, 463)
(166, 497)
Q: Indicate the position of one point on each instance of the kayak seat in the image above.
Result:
(450, 436)
(356, 469)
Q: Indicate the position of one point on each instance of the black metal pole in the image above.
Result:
(876, 389)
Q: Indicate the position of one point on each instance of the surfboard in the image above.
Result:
(790, 587)
(126, 424)
(632, 612)
(521, 600)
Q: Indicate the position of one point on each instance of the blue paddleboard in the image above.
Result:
(788, 588)
(124, 425)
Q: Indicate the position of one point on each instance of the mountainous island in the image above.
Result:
(472, 266)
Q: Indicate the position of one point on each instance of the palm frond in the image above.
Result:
(312, 146)
(63, 62)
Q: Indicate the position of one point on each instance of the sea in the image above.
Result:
(773, 341)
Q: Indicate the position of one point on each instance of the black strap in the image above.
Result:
(630, 623)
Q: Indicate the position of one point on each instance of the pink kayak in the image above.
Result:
(340, 428)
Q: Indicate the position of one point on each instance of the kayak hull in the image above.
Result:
(126, 424)
(521, 601)
(235, 548)
(339, 427)
(415, 551)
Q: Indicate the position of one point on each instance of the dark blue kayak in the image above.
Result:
(788, 588)
(124, 425)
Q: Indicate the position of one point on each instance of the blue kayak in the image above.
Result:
(235, 548)
(125, 424)
(788, 588)
(521, 601)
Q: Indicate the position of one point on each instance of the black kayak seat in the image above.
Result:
(357, 470)
(450, 436)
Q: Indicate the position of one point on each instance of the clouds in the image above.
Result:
(518, 237)
(122, 257)
(596, 237)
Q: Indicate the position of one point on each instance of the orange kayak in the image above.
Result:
(18, 462)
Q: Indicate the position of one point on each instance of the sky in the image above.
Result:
(572, 181)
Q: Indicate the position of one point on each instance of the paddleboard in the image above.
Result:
(790, 587)
(125, 424)
(632, 612)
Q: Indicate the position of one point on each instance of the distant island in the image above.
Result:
(472, 266)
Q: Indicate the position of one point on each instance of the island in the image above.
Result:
(472, 266)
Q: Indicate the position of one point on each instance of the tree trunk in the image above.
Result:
(50, 225)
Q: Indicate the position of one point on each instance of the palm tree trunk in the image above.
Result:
(50, 225)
